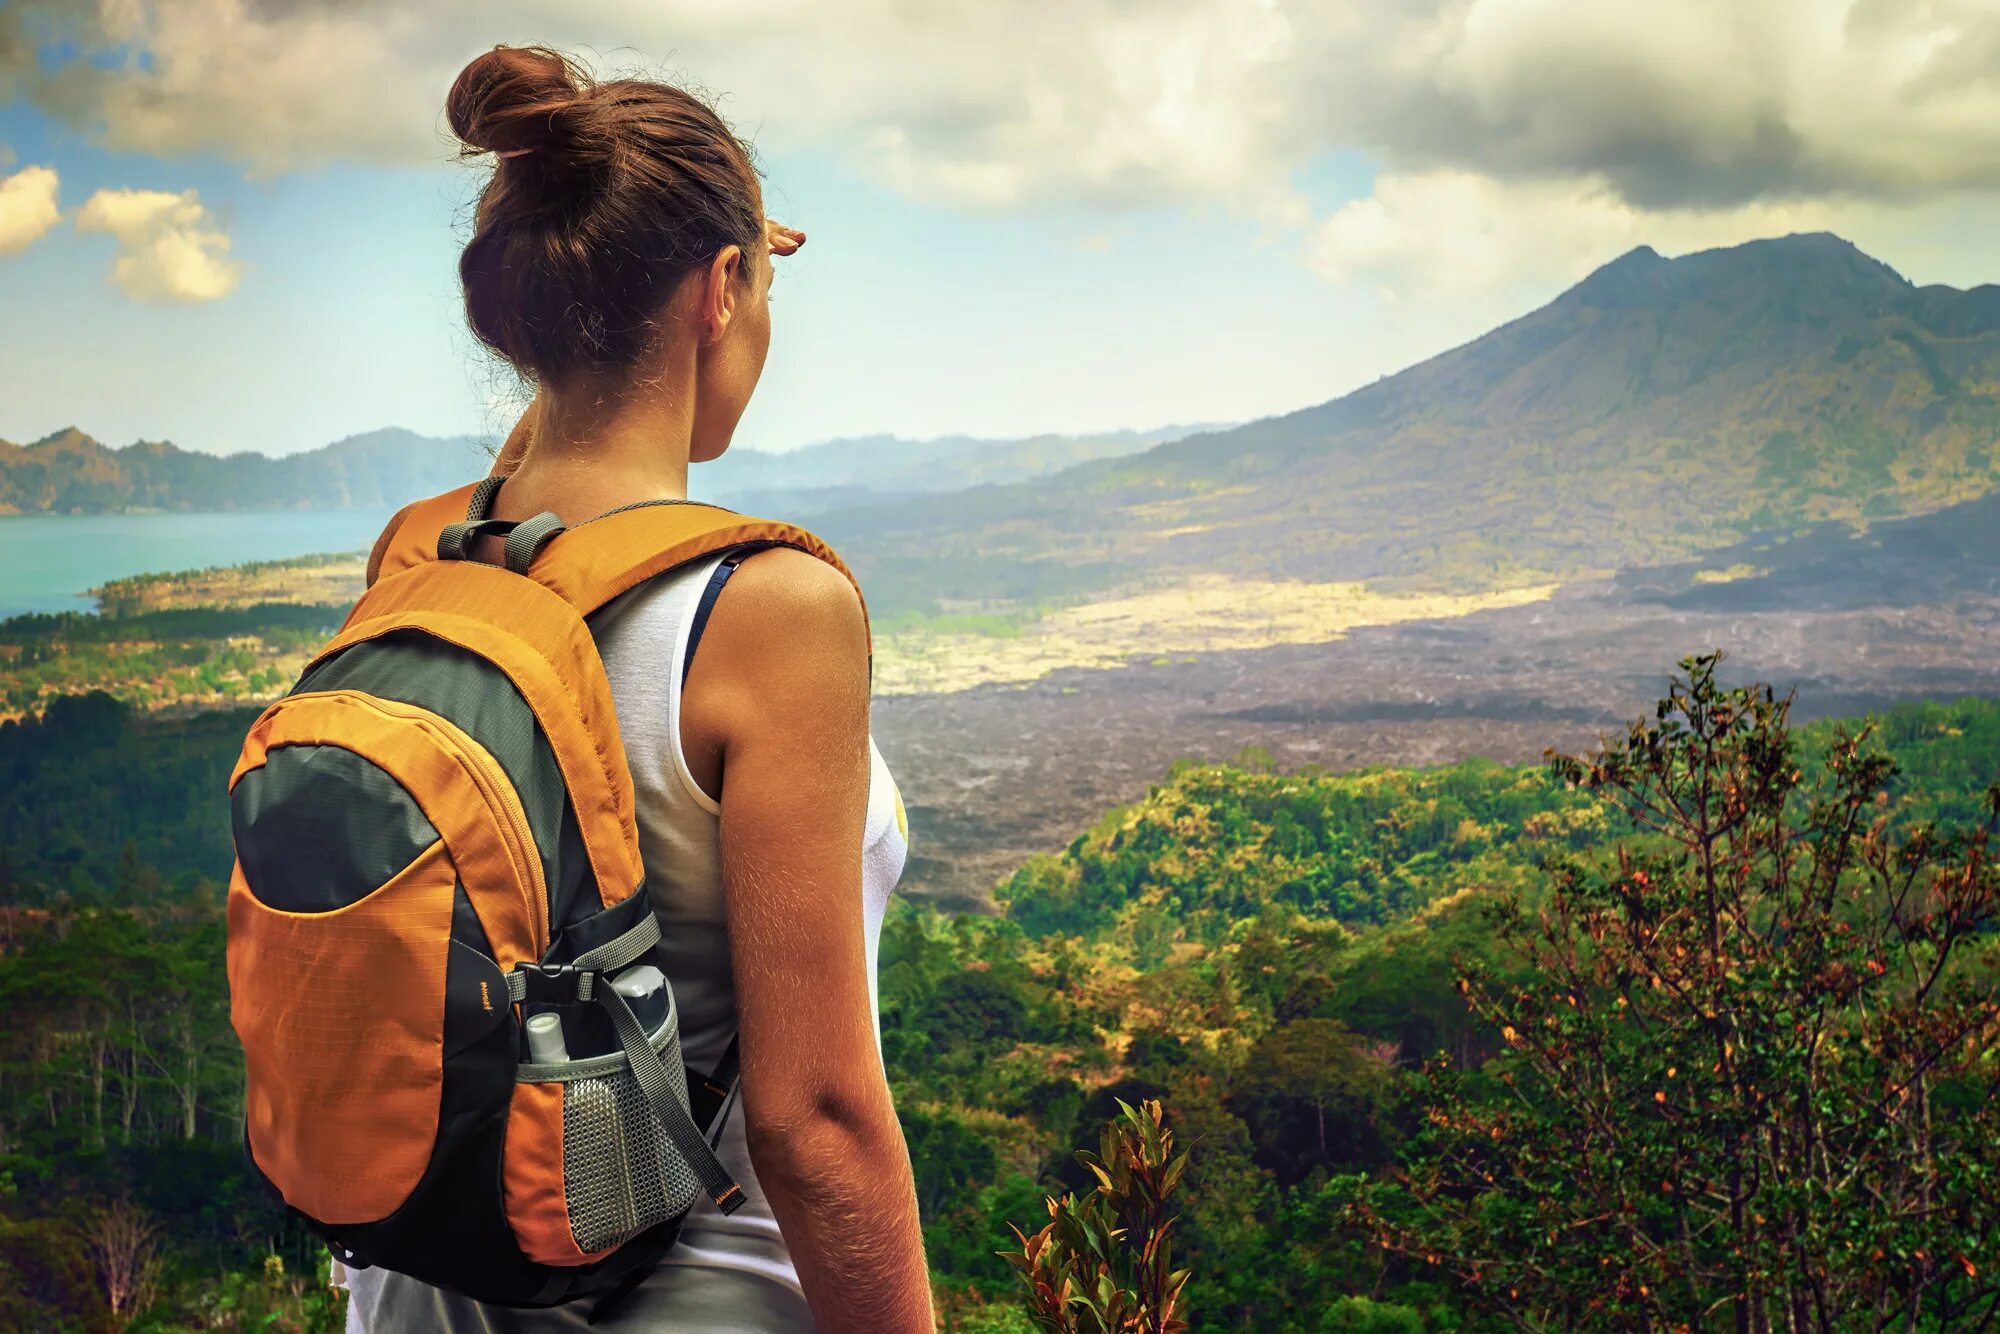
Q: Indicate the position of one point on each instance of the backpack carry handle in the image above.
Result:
(455, 539)
(525, 538)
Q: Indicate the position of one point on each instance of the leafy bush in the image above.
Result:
(1752, 1069)
(1103, 1264)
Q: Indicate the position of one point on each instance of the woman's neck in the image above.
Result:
(592, 450)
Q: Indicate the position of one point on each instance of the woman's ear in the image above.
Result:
(718, 297)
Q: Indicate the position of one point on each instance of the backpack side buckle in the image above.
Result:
(551, 984)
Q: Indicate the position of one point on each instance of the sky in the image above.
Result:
(234, 224)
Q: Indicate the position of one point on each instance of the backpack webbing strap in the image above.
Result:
(528, 539)
(708, 1094)
(674, 1118)
(524, 538)
(455, 539)
(480, 504)
(577, 981)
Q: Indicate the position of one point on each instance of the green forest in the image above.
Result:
(187, 657)
(1693, 1032)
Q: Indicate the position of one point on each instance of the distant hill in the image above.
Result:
(70, 473)
(1658, 409)
(874, 468)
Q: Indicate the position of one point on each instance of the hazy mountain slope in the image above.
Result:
(1657, 409)
(1938, 560)
(70, 473)
(858, 468)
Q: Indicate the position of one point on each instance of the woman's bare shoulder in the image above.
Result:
(790, 586)
(787, 614)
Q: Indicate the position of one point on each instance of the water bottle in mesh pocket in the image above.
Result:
(621, 1173)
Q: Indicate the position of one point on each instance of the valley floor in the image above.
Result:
(994, 773)
(1007, 744)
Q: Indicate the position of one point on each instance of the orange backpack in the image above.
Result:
(437, 886)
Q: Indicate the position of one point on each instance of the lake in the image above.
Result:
(48, 560)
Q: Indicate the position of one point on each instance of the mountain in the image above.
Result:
(1659, 408)
(873, 468)
(1938, 559)
(70, 473)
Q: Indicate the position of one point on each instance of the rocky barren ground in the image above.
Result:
(994, 773)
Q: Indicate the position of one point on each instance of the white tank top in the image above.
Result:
(727, 1273)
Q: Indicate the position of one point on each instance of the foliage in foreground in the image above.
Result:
(1749, 1072)
(1275, 956)
(1104, 1262)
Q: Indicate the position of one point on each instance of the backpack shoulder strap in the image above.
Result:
(597, 561)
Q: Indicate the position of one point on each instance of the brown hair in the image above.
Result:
(607, 194)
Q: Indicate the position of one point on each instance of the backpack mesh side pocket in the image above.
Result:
(620, 1172)
(621, 1175)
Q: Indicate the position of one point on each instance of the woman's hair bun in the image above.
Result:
(522, 100)
(610, 192)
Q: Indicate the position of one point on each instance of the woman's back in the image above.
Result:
(621, 262)
(726, 1273)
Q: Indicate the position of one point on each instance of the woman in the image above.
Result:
(621, 261)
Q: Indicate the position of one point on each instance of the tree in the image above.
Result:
(1752, 1075)
(125, 1245)
(1298, 1073)
(46, 1278)
(949, 1158)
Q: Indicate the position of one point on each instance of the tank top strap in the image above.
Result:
(705, 604)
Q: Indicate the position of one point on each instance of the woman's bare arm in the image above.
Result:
(787, 680)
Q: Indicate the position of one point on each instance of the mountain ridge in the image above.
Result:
(70, 472)
(1658, 408)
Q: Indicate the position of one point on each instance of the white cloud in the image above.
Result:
(1019, 102)
(1468, 242)
(1448, 234)
(169, 247)
(27, 208)
(989, 106)
(1564, 125)
(1703, 101)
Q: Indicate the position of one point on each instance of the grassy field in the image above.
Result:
(1201, 613)
(328, 580)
